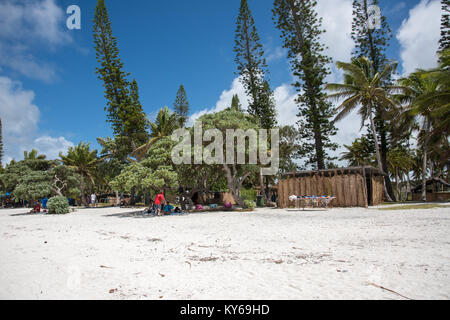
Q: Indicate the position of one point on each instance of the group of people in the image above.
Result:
(162, 207)
(92, 200)
(38, 205)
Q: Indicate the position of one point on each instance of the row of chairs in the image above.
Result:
(312, 201)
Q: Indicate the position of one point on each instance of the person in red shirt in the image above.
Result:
(159, 200)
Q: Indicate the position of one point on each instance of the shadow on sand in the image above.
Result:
(139, 214)
(307, 210)
(26, 214)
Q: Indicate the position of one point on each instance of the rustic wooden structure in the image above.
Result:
(438, 190)
(352, 187)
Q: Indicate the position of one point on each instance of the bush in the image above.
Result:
(248, 204)
(248, 194)
(58, 205)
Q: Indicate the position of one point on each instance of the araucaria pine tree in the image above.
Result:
(371, 35)
(181, 106)
(252, 68)
(124, 111)
(236, 104)
(301, 29)
(444, 42)
(1, 142)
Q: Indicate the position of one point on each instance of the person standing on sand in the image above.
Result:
(94, 200)
(159, 200)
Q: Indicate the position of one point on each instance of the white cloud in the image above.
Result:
(38, 20)
(51, 146)
(25, 26)
(20, 117)
(419, 36)
(224, 101)
(275, 54)
(337, 21)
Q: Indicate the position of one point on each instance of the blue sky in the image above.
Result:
(50, 97)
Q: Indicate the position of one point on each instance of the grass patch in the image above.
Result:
(418, 206)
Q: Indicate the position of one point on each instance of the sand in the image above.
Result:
(115, 253)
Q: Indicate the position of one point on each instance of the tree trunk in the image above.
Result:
(83, 197)
(424, 163)
(235, 184)
(397, 186)
(262, 187)
(117, 199)
(132, 198)
(366, 198)
(377, 149)
(408, 186)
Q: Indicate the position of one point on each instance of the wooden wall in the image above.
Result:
(347, 188)
(377, 190)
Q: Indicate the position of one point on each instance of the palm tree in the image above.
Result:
(166, 123)
(441, 97)
(364, 89)
(418, 109)
(358, 153)
(33, 155)
(400, 163)
(83, 161)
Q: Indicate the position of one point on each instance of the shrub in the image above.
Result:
(58, 205)
(248, 194)
(248, 204)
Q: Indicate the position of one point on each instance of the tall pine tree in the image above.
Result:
(372, 43)
(1, 142)
(124, 111)
(236, 104)
(181, 106)
(301, 29)
(444, 42)
(252, 68)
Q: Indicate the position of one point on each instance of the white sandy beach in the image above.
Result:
(266, 254)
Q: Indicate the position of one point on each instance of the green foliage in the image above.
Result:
(370, 43)
(248, 194)
(236, 104)
(155, 172)
(34, 185)
(34, 179)
(232, 119)
(359, 153)
(252, 68)
(165, 124)
(289, 148)
(373, 43)
(1, 143)
(58, 205)
(249, 204)
(124, 110)
(181, 106)
(84, 162)
(33, 155)
(301, 30)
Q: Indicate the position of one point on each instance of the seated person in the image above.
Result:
(168, 208)
(36, 208)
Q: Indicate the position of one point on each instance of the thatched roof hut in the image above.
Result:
(352, 187)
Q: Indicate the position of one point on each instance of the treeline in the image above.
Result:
(407, 119)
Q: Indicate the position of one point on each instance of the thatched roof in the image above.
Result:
(432, 181)
(332, 172)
